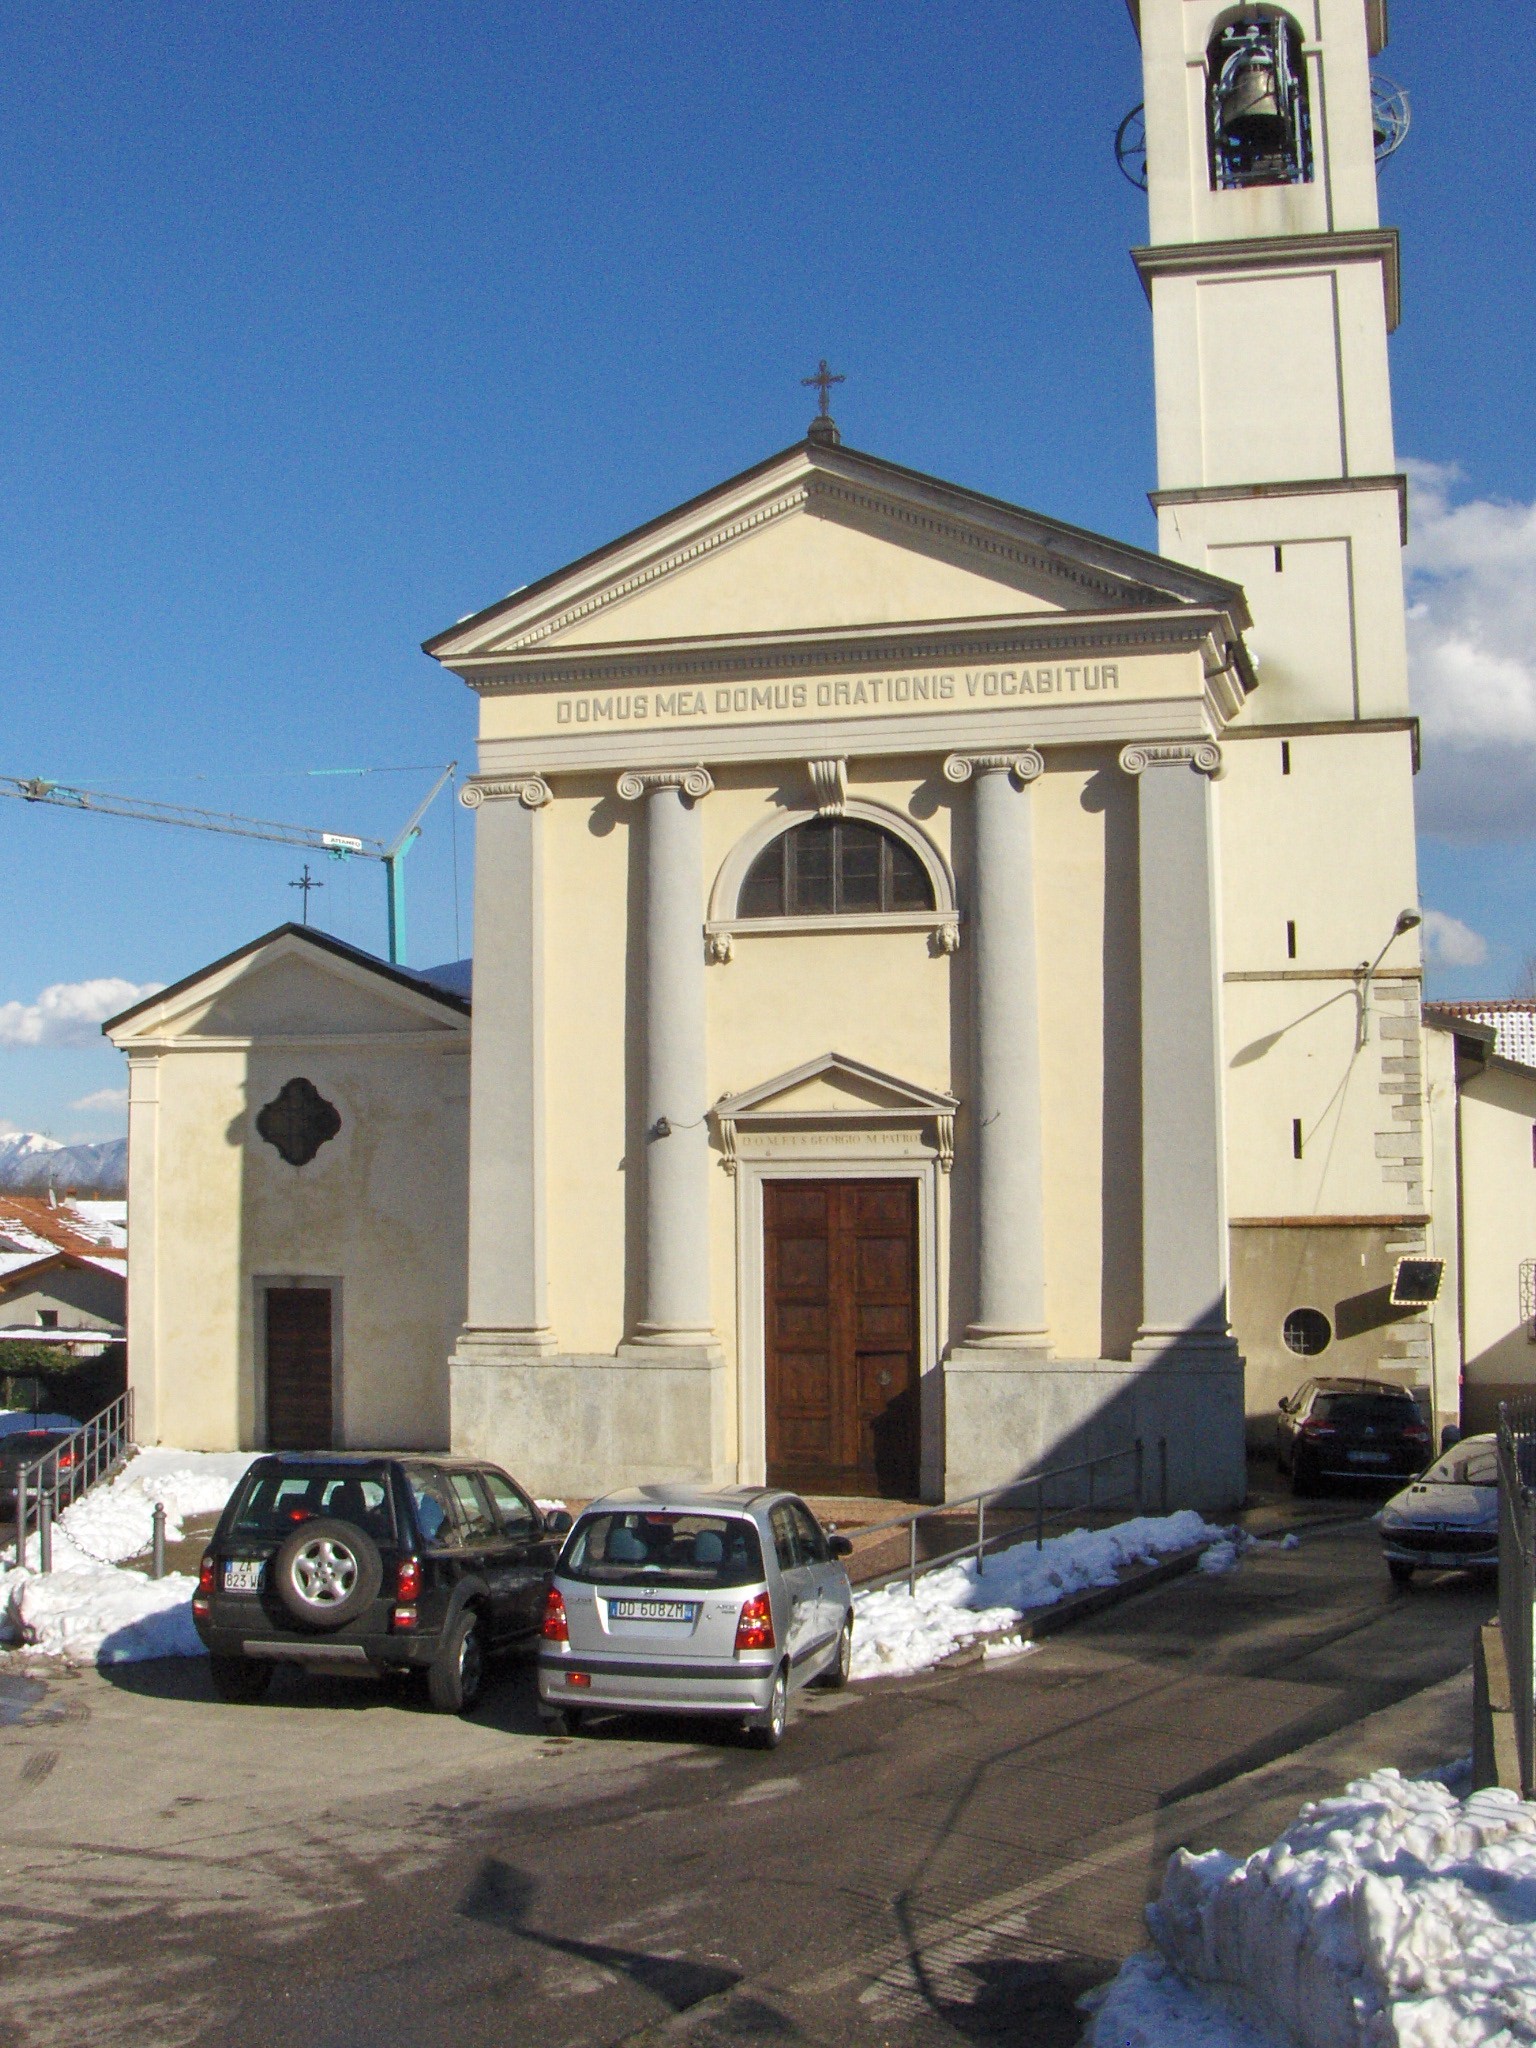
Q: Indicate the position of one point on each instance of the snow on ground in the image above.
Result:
(88, 1609)
(896, 1632)
(1395, 1915)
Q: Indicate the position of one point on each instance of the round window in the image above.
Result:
(1307, 1331)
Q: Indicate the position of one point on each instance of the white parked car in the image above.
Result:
(1448, 1519)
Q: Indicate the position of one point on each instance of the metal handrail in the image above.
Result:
(1517, 1574)
(977, 1546)
(41, 1487)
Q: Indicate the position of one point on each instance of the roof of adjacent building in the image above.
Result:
(32, 1227)
(1512, 1020)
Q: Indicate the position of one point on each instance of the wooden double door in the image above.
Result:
(300, 1406)
(841, 1315)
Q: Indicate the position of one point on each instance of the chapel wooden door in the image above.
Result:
(840, 1308)
(299, 1406)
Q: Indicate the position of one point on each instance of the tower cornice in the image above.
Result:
(1278, 252)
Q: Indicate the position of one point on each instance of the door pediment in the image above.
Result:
(841, 1098)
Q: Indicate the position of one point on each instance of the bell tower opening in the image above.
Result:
(1257, 115)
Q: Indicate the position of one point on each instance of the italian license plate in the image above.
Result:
(241, 1577)
(1370, 1457)
(651, 1610)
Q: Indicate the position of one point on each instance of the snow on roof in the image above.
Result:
(36, 1226)
(1514, 1020)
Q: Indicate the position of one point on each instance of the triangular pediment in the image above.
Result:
(293, 983)
(830, 1086)
(823, 538)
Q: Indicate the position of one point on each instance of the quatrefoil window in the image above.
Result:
(298, 1121)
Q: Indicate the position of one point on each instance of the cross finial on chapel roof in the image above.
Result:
(824, 427)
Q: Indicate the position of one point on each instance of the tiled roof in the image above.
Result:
(1513, 1019)
(35, 1226)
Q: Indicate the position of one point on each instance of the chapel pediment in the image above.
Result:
(822, 538)
(293, 983)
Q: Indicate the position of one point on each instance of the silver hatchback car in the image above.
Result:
(689, 1600)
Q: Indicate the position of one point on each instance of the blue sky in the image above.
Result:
(327, 324)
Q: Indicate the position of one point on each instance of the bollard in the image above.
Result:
(981, 1533)
(1162, 1475)
(45, 1531)
(21, 1517)
(912, 1556)
(1039, 1514)
(157, 1565)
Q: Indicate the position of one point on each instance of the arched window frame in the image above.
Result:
(1306, 148)
(724, 925)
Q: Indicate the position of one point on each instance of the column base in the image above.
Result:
(1010, 1413)
(574, 1426)
(481, 1344)
(668, 1337)
(987, 1337)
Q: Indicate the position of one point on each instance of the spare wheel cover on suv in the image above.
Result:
(327, 1572)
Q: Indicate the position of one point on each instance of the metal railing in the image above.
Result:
(48, 1485)
(1517, 1573)
(1014, 1500)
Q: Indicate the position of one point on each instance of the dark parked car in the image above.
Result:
(1350, 1429)
(33, 1439)
(338, 1561)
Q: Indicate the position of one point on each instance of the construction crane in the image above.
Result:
(35, 789)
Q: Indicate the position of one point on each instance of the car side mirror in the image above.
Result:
(557, 1522)
(1284, 1407)
(839, 1546)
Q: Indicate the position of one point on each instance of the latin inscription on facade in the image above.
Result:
(854, 694)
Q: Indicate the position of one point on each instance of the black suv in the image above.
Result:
(1350, 1429)
(330, 1559)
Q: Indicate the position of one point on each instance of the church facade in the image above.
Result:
(946, 986)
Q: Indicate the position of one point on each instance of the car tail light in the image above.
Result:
(1416, 1433)
(408, 1579)
(754, 1630)
(578, 1678)
(555, 1629)
(404, 1618)
(205, 1573)
(1316, 1429)
(66, 1459)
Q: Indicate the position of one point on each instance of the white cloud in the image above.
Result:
(1447, 942)
(1471, 573)
(112, 1101)
(68, 1012)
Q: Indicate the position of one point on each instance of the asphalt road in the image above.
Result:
(949, 1859)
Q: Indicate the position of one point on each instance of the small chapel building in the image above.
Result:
(945, 985)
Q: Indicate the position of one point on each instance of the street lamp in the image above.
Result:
(1407, 921)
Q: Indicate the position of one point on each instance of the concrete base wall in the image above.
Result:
(1007, 1414)
(581, 1426)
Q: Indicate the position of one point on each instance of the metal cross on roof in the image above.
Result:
(306, 882)
(823, 380)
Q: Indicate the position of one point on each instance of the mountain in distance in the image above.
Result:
(32, 1163)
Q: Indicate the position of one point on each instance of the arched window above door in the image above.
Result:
(865, 867)
(834, 867)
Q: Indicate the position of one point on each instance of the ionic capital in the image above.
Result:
(1204, 756)
(637, 782)
(532, 791)
(1023, 766)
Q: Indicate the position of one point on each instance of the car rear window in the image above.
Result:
(1474, 1465)
(656, 1548)
(272, 1504)
(1355, 1410)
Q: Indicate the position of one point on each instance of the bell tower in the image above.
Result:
(1273, 288)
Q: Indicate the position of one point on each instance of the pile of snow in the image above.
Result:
(107, 1222)
(1393, 1916)
(88, 1609)
(117, 1521)
(896, 1632)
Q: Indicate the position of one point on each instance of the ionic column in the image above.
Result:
(675, 1291)
(1183, 1195)
(508, 1298)
(1006, 1119)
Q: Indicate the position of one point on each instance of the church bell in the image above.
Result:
(1249, 104)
